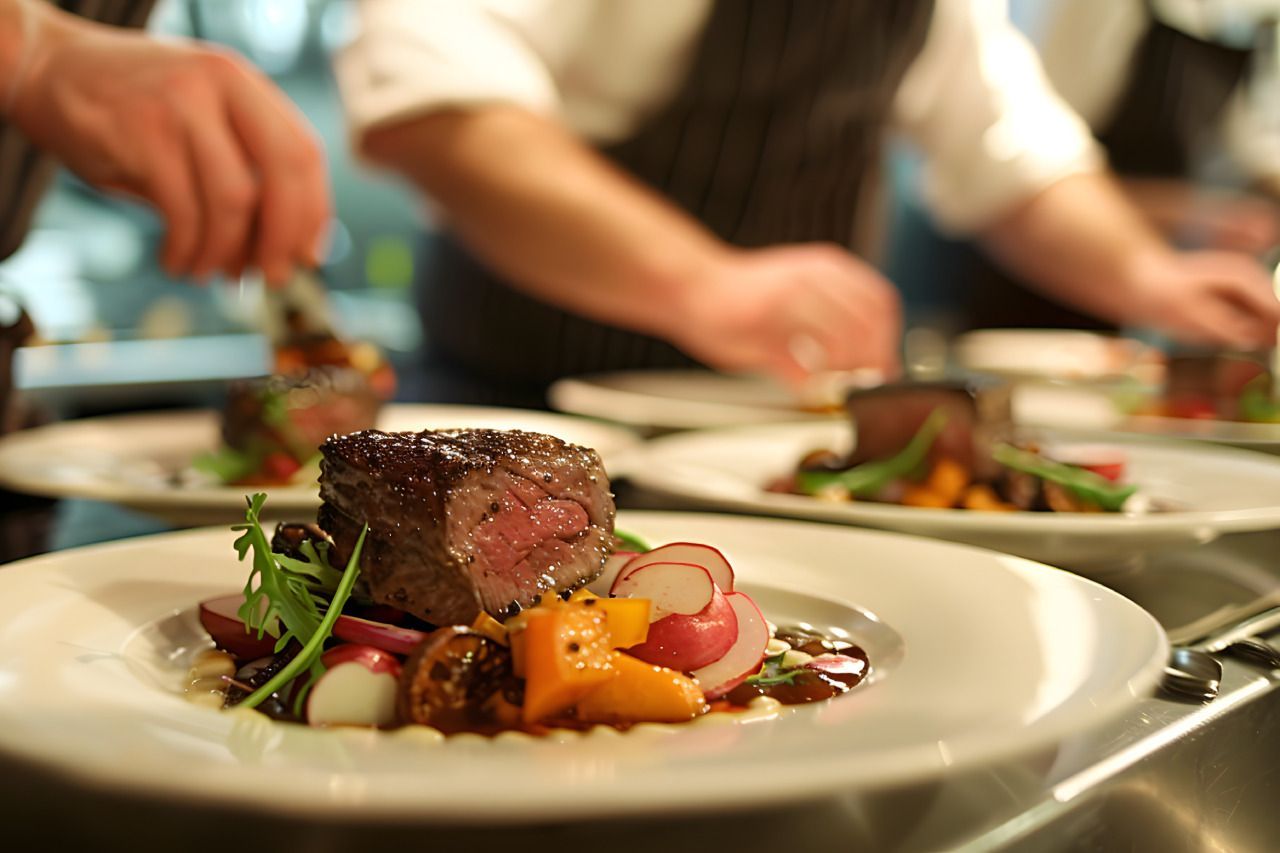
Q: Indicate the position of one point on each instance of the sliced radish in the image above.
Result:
(391, 638)
(358, 688)
(612, 568)
(688, 552)
(670, 588)
(686, 642)
(837, 665)
(221, 618)
(745, 656)
(372, 658)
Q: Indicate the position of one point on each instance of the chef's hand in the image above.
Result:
(1214, 298)
(791, 311)
(199, 134)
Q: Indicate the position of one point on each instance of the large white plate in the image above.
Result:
(980, 657)
(1094, 409)
(130, 459)
(676, 399)
(1219, 490)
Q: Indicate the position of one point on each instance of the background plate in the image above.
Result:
(130, 459)
(1223, 490)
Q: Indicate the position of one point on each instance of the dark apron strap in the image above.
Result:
(775, 136)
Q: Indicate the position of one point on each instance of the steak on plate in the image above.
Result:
(886, 417)
(464, 521)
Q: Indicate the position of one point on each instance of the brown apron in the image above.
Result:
(775, 136)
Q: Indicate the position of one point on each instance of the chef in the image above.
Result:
(195, 132)
(632, 184)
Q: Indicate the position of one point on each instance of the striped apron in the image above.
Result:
(775, 136)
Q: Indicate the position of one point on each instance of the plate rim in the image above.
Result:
(990, 748)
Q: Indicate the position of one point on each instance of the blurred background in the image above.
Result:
(127, 337)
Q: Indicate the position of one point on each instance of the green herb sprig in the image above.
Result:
(870, 478)
(1081, 482)
(285, 597)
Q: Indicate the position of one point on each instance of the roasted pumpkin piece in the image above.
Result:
(983, 498)
(641, 693)
(923, 496)
(626, 619)
(948, 480)
(563, 653)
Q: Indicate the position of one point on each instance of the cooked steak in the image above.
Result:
(885, 419)
(464, 521)
(294, 414)
(1216, 379)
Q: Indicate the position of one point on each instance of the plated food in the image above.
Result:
(272, 426)
(1216, 387)
(465, 602)
(1199, 492)
(103, 639)
(135, 460)
(953, 446)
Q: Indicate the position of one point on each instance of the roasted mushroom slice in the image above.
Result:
(458, 680)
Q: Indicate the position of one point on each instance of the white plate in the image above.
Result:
(130, 459)
(676, 399)
(1061, 354)
(1222, 490)
(982, 657)
(1094, 409)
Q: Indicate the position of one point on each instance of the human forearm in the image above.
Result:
(1078, 241)
(1081, 242)
(556, 219)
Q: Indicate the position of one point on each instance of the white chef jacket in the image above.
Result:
(1091, 46)
(992, 131)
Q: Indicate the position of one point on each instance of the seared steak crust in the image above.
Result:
(464, 521)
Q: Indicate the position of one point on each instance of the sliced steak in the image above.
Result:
(464, 521)
(887, 417)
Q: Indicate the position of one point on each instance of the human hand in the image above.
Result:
(1212, 298)
(196, 132)
(791, 311)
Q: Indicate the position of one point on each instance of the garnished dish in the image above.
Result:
(272, 426)
(1216, 387)
(472, 581)
(952, 446)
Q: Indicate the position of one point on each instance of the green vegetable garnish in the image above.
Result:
(1081, 482)
(284, 597)
(870, 478)
(771, 672)
(226, 464)
(1257, 404)
(631, 542)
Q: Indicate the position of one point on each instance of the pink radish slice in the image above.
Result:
(837, 665)
(372, 658)
(689, 552)
(687, 642)
(358, 688)
(220, 617)
(612, 568)
(744, 658)
(391, 638)
(670, 588)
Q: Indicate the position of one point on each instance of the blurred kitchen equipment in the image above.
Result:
(16, 329)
